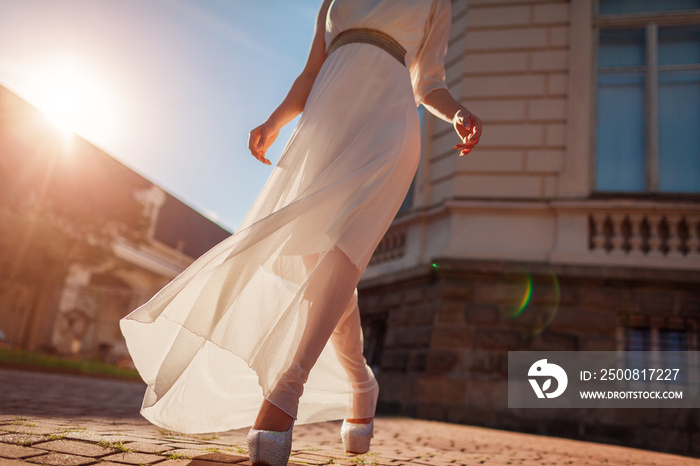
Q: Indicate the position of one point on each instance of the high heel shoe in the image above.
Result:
(356, 437)
(269, 447)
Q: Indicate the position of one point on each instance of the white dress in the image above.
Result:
(275, 305)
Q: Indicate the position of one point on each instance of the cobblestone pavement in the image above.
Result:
(70, 420)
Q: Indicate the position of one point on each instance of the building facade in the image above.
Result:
(84, 240)
(574, 225)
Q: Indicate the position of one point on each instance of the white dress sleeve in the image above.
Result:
(428, 71)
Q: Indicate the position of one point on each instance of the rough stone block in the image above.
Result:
(417, 361)
(395, 387)
(493, 363)
(455, 292)
(400, 317)
(661, 439)
(655, 301)
(509, 290)
(450, 313)
(695, 444)
(441, 389)
(442, 361)
(453, 337)
(412, 337)
(368, 302)
(480, 314)
(394, 360)
(605, 297)
(423, 314)
(551, 341)
(673, 418)
(591, 321)
(533, 319)
(391, 300)
(565, 427)
(487, 393)
(413, 295)
(690, 305)
(499, 339)
(597, 342)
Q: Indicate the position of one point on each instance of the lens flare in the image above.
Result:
(554, 298)
(527, 295)
(537, 304)
(74, 100)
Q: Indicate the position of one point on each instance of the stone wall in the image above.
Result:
(449, 327)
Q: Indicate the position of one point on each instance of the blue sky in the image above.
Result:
(183, 82)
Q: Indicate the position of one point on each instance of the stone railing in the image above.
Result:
(645, 233)
(391, 247)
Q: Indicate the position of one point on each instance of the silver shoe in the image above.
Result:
(269, 447)
(356, 437)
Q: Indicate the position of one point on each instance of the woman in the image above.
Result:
(268, 318)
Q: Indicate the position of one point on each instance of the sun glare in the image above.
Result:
(74, 102)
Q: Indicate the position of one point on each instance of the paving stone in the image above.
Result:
(222, 458)
(76, 447)
(28, 429)
(60, 459)
(133, 458)
(109, 463)
(185, 453)
(23, 439)
(197, 462)
(18, 451)
(397, 441)
(92, 437)
(146, 447)
(162, 463)
(180, 444)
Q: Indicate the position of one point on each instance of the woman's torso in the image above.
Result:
(404, 20)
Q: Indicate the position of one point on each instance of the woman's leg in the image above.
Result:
(348, 342)
(329, 289)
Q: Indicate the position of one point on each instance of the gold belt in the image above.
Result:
(370, 36)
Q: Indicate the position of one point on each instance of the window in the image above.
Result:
(648, 98)
(660, 346)
(659, 339)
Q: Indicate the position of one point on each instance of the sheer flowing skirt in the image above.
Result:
(275, 305)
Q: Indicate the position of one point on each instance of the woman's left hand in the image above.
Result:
(468, 126)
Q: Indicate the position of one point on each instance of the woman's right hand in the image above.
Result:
(468, 126)
(261, 138)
